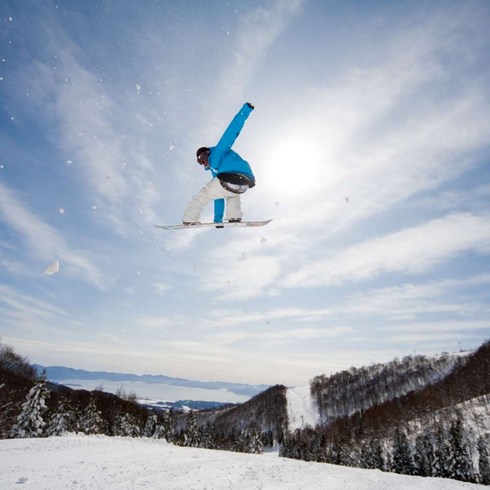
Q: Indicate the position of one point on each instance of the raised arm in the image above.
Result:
(234, 128)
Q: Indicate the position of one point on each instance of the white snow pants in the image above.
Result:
(211, 191)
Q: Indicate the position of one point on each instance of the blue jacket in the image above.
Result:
(223, 159)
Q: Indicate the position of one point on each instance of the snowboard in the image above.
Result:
(225, 224)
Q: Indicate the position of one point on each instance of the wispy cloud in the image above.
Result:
(89, 126)
(257, 32)
(413, 250)
(377, 133)
(242, 279)
(44, 242)
(17, 304)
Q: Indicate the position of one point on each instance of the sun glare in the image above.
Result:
(293, 166)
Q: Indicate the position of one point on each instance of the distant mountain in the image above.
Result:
(61, 373)
(184, 405)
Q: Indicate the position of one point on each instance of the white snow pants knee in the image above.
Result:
(211, 191)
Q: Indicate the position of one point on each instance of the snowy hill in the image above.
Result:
(98, 462)
(341, 394)
(358, 389)
(301, 410)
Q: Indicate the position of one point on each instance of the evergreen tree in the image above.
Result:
(441, 455)
(255, 444)
(402, 457)
(91, 421)
(424, 455)
(483, 461)
(460, 465)
(372, 455)
(166, 429)
(238, 442)
(192, 436)
(150, 426)
(208, 439)
(30, 422)
(62, 420)
(155, 427)
(126, 425)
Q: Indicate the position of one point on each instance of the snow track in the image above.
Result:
(99, 462)
(301, 411)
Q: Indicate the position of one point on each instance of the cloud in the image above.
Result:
(88, 124)
(440, 327)
(403, 121)
(19, 305)
(257, 31)
(414, 250)
(408, 301)
(43, 241)
(219, 318)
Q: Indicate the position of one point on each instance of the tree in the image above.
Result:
(372, 455)
(126, 425)
(424, 455)
(208, 437)
(441, 455)
(402, 457)
(14, 363)
(483, 461)
(91, 421)
(192, 436)
(150, 426)
(30, 422)
(166, 429)
(460, 465)
(62, 420)
(255, 444)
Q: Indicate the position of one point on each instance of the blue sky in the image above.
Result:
(369, 142)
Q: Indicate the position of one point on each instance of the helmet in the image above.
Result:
(202, 150)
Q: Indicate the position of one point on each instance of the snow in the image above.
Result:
(92, 462)
(52, 268)
(301, 411)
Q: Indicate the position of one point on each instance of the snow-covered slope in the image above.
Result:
(99, 462)
(301, 411)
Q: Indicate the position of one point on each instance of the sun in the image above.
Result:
(293, 166)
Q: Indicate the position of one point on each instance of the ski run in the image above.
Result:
(101, 462)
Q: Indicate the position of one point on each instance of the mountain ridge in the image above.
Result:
(60, 373)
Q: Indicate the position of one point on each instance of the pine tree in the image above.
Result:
(30, 422)
(166, 429)
(208, 439)
(91, 421)
(192, 431)
(62, 420)
(424, 455)
(441, 455)
(483, 461)
(150, 426)
(125, 425)
(460, 465)
(372, 455)
(255, 444)
(402, 457)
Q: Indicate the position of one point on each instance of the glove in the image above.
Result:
(250, 105)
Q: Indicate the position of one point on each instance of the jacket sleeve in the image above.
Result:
(233, 129)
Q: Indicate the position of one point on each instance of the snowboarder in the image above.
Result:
(232, 175)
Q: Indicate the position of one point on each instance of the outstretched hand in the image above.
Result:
(250, 105)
